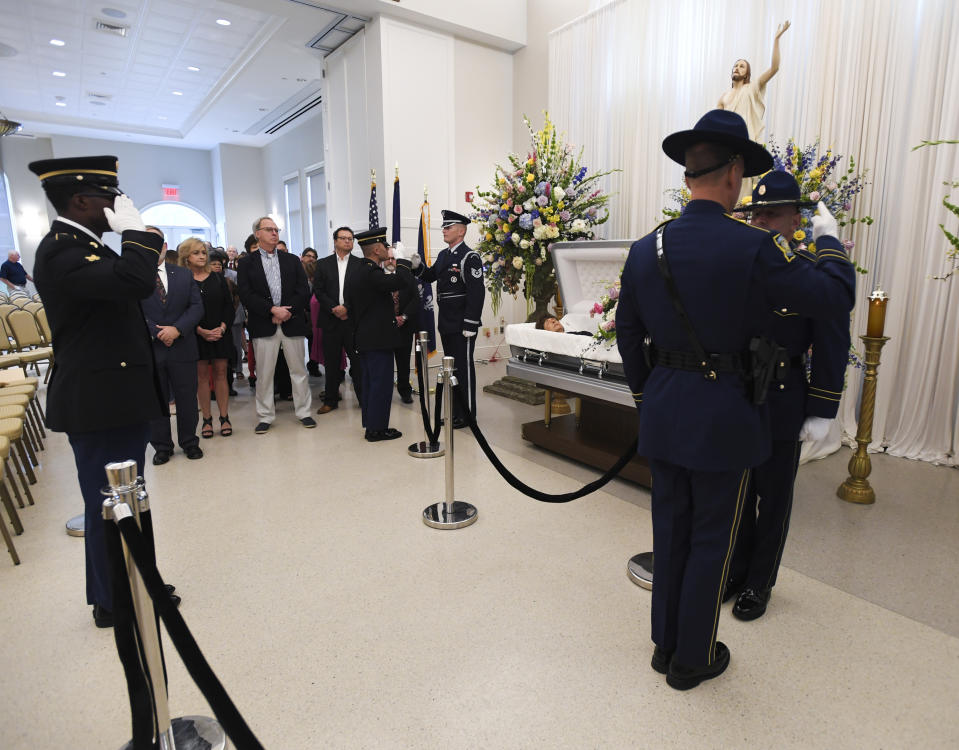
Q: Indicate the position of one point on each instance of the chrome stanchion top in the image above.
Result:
(450, 513)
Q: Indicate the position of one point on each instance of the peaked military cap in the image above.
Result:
(99, 173)
(451, 217)
(377, 234)
(727, 129)
(777, 188)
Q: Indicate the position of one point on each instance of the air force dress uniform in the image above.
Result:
(762, 536)
(701, 434)
(458, 273)
(103, 390)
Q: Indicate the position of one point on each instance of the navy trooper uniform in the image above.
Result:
(762, 536)
(369, 297)
(702, 434)
(458, 273)
(103, 390)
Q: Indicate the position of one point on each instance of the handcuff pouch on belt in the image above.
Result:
(757, 367)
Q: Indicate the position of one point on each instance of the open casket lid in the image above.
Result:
(585, 270)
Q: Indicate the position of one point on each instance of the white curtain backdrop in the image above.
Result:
(871, 79)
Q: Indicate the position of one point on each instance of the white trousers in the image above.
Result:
(266, 349)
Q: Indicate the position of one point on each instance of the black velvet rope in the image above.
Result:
(432, 433)
(127, 638)
(223, 707)
(511, 479)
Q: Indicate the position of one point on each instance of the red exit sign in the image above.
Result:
(171, 192)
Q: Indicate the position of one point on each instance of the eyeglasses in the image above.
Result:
(348, 239)
(268, 229)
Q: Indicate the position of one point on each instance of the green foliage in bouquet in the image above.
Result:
(953, 253)
(533, 202)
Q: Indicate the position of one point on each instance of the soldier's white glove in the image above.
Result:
(124, 216)
(468, 334)
(814, 429)
(416, 261)
(399, 252)
(824, 223)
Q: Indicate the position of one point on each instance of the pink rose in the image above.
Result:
(814, 195)
(518, 209)
(610, 325)
(597, 309)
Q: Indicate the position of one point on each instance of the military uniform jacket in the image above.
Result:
(729, 276)
(370, 301)
(458, 274)
(791, 401)
(104, 375)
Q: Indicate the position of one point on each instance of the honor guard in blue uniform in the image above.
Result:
(103, 390)
(458, 273)
(799, 408)
(369, 297)
(693, 310)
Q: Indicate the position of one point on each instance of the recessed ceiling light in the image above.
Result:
(193, 68)
(57, 42)
(177, 93)
(61, 104)
(113, 13)
(59, 74)
(222, 22)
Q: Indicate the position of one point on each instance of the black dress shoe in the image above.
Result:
(751, 604)
(686, 678)
(194, 452)
(261, 428)
(732, 589)
(175, 599)
(102, 618)
(661, 660)
(406, 398)
(459, 423)
(389, 433)
(170, 588)
(160, 458)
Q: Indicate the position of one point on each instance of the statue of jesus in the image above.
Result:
(747, 98)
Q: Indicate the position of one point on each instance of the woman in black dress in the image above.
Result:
(214, 344)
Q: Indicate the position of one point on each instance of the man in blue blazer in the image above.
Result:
(695, 299)
(172, 313)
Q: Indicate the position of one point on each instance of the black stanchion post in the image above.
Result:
(427, 448)
(449, 514)
(126, 497)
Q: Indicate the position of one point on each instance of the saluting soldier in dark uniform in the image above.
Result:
(798, 409)
(458, 273)
(370, 300)
(699, 426)
(103, 391)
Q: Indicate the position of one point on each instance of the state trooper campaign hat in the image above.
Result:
(777, 188)
(377, 234)
(727, 129)
(99, 173)
(451, 217)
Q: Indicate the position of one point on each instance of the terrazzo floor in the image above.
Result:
(336, 619)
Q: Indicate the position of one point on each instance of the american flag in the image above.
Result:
(374, 213)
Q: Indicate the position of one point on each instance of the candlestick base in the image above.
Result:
(856, 491)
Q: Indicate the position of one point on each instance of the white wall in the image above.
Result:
(241, 191)
(144, 168)
(530, 64)
(32, 212)
(291, 154)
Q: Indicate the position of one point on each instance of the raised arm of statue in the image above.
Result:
(774, 64)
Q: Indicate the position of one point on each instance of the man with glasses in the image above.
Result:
(334, 276)
(103, 391)
(274, 290)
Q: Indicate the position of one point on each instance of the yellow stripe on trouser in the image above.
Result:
(743, 484)
(785, 526)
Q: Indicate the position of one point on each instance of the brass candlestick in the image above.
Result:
(856, 488)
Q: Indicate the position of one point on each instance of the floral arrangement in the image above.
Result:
(815, 171)
(606, 309)
(952, 254)
(545, 198)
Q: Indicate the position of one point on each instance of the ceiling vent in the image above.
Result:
(292, 109)
(337, 26)
(110, 28)
(94, 96)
